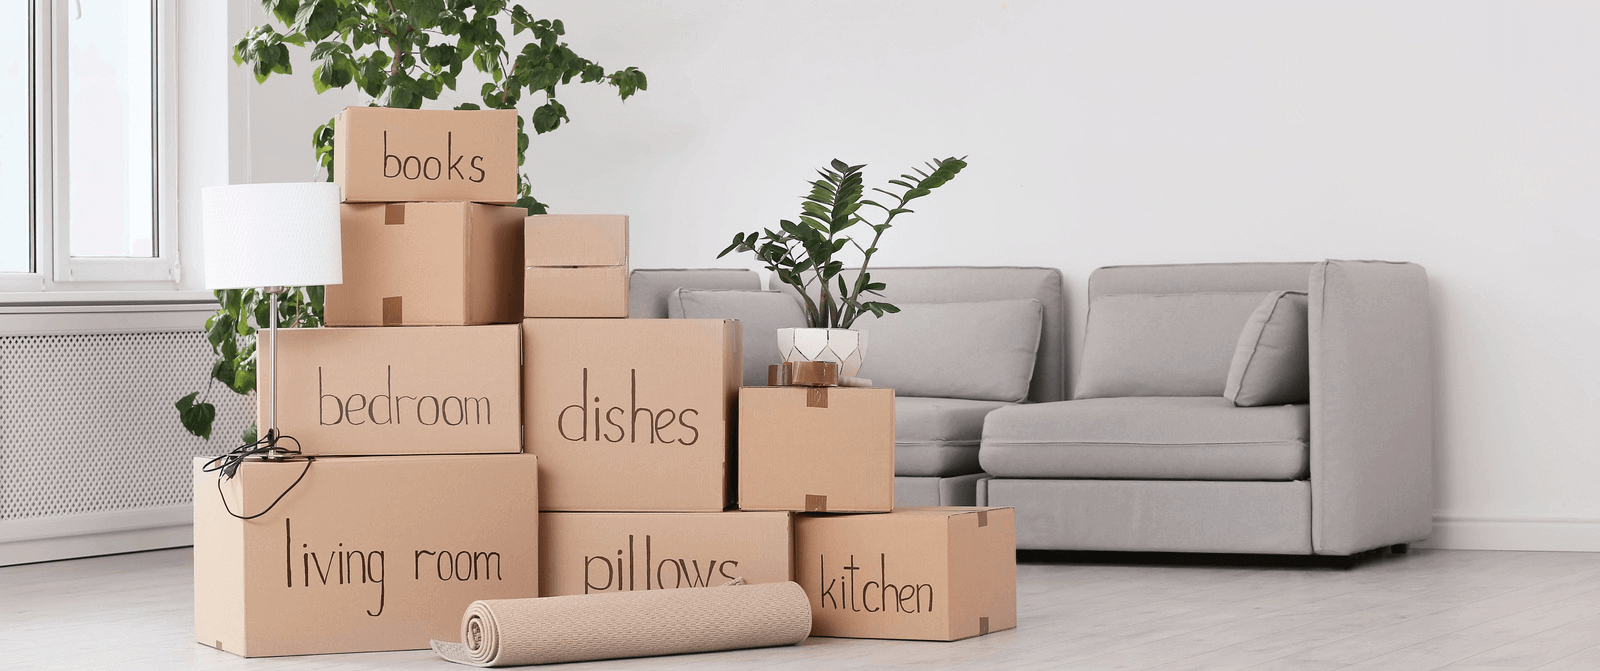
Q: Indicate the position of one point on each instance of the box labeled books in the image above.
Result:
(385, 155)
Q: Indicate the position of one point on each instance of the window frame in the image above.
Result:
(53, 267)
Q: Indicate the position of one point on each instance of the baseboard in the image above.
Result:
(1463, 532)
(44, 539)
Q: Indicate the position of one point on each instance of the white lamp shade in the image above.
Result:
(269, 235)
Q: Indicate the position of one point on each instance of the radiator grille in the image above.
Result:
(87, 422)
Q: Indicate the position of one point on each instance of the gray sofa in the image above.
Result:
(1347, 472)
(936, 439)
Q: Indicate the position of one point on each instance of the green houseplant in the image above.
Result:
(810, 254)
(400, 53)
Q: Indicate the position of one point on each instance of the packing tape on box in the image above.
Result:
(610, 625)
(392, 312)
(811, 374)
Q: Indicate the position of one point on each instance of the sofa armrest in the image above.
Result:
(1371, 406)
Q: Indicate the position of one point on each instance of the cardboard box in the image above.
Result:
(583, 553)
(364, 554)
(935, 574)
(597, 291)
(384, 155)
(577, 266)
(443, 389)
(818, 449)
(432, 264)
(631, 415)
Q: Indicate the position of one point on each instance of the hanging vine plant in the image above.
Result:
(400, 53)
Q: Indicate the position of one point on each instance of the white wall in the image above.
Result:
(1463, 136)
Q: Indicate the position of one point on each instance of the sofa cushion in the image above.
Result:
(762, 313)
(648, 288)
(968, 284)
(983, 351)
(938, 436)
(1271, 363)
(1162, 344)
(1149, 438)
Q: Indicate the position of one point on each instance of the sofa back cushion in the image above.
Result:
(761, 314)
(1182, 278)
(648, 288)
(1271, 364)
(1177, 344)
(982, 351)
(969, 284)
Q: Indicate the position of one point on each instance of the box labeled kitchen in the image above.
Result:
(586, 553)
(416, 390)
(819, 449)
(360, 554)
(936, 574)
(389, 155)
(434, 264)
(576, 266)
(631, 415)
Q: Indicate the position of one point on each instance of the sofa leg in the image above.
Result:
(1400, 548)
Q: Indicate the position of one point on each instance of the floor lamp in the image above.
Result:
(269, 237)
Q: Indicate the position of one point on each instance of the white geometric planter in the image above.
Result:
(845, 347)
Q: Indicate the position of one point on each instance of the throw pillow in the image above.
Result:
(762, 313)
(983, 351)
(1271, 364)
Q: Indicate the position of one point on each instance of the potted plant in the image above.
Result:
(809, 255)
(401, 54)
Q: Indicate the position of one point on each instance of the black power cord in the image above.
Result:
(227, 466)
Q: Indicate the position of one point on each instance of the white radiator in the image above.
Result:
(92, 457)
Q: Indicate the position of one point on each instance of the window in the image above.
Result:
(81, 158)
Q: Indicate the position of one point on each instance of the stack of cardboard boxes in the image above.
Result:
(419, 499)
(655, 470)
(633, 424)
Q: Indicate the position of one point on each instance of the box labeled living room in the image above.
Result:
(359, 553)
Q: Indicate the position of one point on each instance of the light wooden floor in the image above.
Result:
(1431, 609)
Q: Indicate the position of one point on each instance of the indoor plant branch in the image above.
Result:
(803, 252)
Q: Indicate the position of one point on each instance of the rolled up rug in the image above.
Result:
(549, 630)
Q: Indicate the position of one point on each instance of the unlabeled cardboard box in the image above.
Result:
(386, 155)
(363, 554)
(583, 553)
(416, 390)
(631, 415)
(576, 266)
(434, 264)
(818, 449)
(936, 574)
